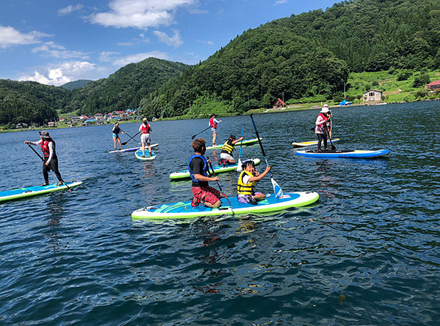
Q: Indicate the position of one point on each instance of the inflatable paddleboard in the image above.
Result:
(183, 210)
(130, 149)
(312, 142)
(345, 154)
(184, 174)
(147, 156)
(34, 191)
(248, 142)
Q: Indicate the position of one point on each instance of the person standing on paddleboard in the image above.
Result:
(116, 131)
(199, 171)
(213, 123)
(145, 130)
(50, 161)
(321, 127)
(227, 149)
(247, 181)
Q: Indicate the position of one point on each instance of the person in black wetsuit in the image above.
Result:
(116, 131)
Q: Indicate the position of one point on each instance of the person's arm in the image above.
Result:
(197, 167)
(258, 177)
(35, 143)
(201, 177)
(320, 120)
(51, 151)
(237, 140)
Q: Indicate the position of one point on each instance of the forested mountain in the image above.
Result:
(30, 102)
(125, 88)
(75, 84)
(308, 55)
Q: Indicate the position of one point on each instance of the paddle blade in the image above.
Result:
(276, 188)
(239, 168)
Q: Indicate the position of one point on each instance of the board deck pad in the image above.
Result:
(147, 157)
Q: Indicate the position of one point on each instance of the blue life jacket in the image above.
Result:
(205, 167)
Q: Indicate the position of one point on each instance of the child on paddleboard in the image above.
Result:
(50, 161)
(199, 170)
(247, 181)
(228, 148)
(323, 125)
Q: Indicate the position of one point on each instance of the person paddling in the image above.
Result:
(321, 127)
(50, 161)
(199, 171)
(227, 150)
(247, 181)
(213, 123)
(116, 131)
(145, 130)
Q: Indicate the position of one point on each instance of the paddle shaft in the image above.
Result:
(218, 183)
(259, 142)
(124, 143)
(194, 136)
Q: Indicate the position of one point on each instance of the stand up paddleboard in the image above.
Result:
(147, 156)
(184, 210)
(184, 174)
(313, 142)
(130, 149)
(34, 191)
(248, 142)
(345, 154)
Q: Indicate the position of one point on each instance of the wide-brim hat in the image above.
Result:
(325, 110)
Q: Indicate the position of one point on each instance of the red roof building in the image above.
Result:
(434, 86)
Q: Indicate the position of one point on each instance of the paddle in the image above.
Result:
(332, 146)
(239, 168)
(70, 189)
(194, 136)
(125, 143)
(218, 182)
(276, 187)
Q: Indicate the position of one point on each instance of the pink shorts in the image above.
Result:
(205, 194)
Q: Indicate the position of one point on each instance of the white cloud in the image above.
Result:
(51, 49)
(280, 2)
(10, 36)
(139, 13)
(206, 42)
(62, 73)
(69, 9)
(172, 41)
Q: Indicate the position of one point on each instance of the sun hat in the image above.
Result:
(325, 110)
(44, 134)
(144, 120)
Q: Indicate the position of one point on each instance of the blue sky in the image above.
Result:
(57, 41)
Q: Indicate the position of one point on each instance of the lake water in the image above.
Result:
(368, 253)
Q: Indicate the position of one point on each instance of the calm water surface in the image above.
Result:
(366, 254)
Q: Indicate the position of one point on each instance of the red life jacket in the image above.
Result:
(45, 148)
(324, 117)
(212, 123)
(145, 129)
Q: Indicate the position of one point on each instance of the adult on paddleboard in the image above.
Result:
(199, 170)
(50, 161)
(321, 128)
(247, 180)
(227, 150)
(145, 130)
(213, 123)
(116, 131)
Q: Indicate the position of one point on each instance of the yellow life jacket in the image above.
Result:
(245, 189)
(228, 147)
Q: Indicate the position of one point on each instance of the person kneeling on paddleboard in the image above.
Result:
(50, 160)
(199, 171)
(227, 149)
(247, 181)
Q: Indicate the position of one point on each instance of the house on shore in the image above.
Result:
(434, 86)
(373, 96)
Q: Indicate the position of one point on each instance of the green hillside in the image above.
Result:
(125, 88)
(305, 57)
(75, 84)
